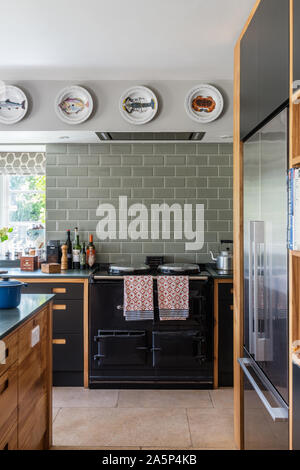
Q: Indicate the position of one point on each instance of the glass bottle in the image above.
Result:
(83, 256)
(76, 253)
(69, 249)
(91, 253)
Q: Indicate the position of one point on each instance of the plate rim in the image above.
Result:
(190, 113)
(58, 98)
(126, 116)
(3, 121)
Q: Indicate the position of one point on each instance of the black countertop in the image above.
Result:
(11, 318)
(70, 274)
(211, 268)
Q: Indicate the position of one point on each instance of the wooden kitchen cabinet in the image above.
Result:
(223, 313)
(8, 403)
(33, 384)
(68, 306)
(264, 89)
(26, 386)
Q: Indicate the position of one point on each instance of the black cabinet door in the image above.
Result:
(67, 352)
(249, 79)
(225, 348)
(273, 56)
(296, 47)
(264, 85)
(68, 316)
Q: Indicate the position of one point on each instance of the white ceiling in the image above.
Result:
(120, 39)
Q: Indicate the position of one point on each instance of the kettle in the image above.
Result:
(224, 259)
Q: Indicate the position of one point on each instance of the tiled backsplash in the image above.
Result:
(80, 177)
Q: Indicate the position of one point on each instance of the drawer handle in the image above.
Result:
(231, 307)
(6, 353)
(59, 290)
(231, 291)
(59, 307)
(4, 386)
(59, 341)
(120, 307)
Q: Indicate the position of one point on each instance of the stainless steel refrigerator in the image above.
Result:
(265, 361)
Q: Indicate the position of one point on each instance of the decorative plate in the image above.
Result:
(74, 105)
(204, 103)
(13, 104)
(138, 105)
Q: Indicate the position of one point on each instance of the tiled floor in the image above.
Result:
(142, 419)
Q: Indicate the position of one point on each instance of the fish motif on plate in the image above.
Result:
(74, 105)
(13, 104)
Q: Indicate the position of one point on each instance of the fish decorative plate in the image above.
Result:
(13, 104)
(138, 105)
(204, 103)
(74, 105)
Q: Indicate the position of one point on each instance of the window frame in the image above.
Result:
(5, 192)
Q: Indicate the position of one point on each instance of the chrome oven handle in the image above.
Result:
(277, 414)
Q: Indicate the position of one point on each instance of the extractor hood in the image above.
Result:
(150, 136)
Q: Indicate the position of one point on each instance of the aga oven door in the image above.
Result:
(200, 306)
(181, 353)
(121, 348)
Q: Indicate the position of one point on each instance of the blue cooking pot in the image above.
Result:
(10, 292)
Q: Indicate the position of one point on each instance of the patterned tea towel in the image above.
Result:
(138, 298)
(173, 297)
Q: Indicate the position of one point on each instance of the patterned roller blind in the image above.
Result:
(22, 163)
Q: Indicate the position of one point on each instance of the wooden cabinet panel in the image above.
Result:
(24, 345)
(11, 351)
(8, 398)
(9, 438)
(26, 387)
(32, 427)
(33, 384)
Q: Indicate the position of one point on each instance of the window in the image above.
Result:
(23, 209)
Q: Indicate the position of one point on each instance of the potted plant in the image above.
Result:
(4, 233)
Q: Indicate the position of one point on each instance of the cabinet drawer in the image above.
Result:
(10, 352)
(25, 334)
(68, 316)
(8, 399)
(62, 290)
(67, 352)
(9, 439)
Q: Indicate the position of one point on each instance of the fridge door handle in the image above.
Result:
(256, 239)
(277, 414)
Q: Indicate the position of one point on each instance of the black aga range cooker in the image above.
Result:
(150, 353)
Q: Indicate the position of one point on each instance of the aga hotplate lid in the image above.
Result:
(179, 268)
(123, 268)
